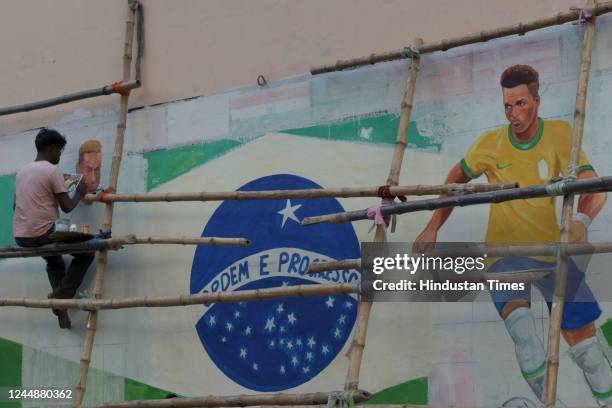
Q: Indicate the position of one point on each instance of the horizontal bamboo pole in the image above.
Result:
(76, 96)
(482, 36)
(317, 267)
(114, 244)
(497, 251)
(315, 398)
(417, 190)
(598, 184)
(186, 300)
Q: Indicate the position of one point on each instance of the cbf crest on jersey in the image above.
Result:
(276, 344)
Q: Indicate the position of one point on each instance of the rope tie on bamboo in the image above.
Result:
(557, 186)
(116, 88)
(375, 214)
(583, 15)
(341, 399)
(410, 52)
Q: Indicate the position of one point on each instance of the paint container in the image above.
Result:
(61, 225)
(73, 228)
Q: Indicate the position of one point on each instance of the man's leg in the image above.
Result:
(514, 308)
(74, 275)
(578, 329)
(56, 270)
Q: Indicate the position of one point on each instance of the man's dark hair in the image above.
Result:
(49, 137)
(521, 75)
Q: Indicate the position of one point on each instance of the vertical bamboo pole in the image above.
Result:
(554, 332)
(108, 210)
(365, 307)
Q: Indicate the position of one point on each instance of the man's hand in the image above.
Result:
(426, 240)
(578, 232)
(81, 189)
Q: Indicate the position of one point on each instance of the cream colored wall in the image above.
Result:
(198, 47)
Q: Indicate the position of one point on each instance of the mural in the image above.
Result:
(332, 130)
(274, 345)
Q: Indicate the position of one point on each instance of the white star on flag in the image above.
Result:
(330, 302)
(280, 308)
(282, 369)
(212, 320)
(288, 213)
(311, 342)
(255, 367)
(248, 330)
(291, 318)
(270, 325)
(243, 353)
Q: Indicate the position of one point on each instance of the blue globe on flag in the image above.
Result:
(275, 344)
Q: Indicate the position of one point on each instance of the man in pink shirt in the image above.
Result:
(39, 188)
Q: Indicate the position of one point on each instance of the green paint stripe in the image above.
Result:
(7, 192)
(584, 167)
(606, 329)
(602, 395)
(466, 169)
(10, 368)
(135, 390)
(410, 392)
(538, 372)
(378, 129)
(166, 165)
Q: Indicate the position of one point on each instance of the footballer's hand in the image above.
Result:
(578, 232)
(426, 241)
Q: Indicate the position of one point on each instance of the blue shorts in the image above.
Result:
(580, 307)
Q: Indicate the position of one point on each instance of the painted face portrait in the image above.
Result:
(90, 164)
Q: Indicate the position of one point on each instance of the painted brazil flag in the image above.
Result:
(276, 344)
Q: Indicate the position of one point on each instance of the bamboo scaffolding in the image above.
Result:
(365, 307)
(115, 244)
(186, 300)
(310, 399)
(598, 184)
(418, 190)
(556, 313)
(121, 87)
(92, 321)
(482, 36)
(525, 276)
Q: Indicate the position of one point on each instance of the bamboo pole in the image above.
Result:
(482, 36)
(365, 306)
(556, 314)
(317, 267)
(121, 87)
(309, 399)
(598, 184)
(418, 190)
(115, 244)
(108, 210)
(186, 300)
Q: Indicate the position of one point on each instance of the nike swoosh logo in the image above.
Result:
(503, 166)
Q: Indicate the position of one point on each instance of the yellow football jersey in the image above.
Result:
(502, 158)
